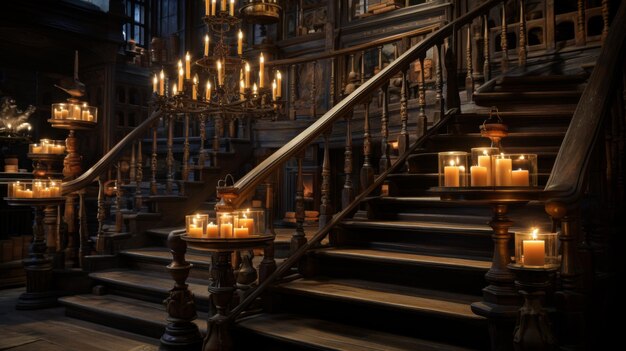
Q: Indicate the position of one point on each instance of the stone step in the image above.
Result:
(294, 332)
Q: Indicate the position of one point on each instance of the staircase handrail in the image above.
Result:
(110, 157)
(245, 185)
(569, 173)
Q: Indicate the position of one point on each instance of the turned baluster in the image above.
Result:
(101, 240)
(347, 193)
(217, 123)
(384, 162)
(119, 219)
(83, 233)
(503, 44)
(298, 238)
(139, 177)
(522, 54)
(403, 138)
(422, 119)
(202, 153)
(469, 79)
(314, 92)
(153, 163)
(133, 161)
(292, 92)
(169, 160)
(605, 19)
(367, 171)
(380, 68)
(326, 208)
(331, 92)
(268, 264)
(181, 333)
(71, 250)
(486, 69)
(439, 100)
(580, 23)
(185, 175)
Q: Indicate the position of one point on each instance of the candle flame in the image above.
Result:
(452, 163)
(485, 152)
(155, 80)
(240, 34)
(187, 56)
(180, 64)
(247, 67)
(242, 84)
(534, 235)
(462, 168)
(521, 157)
(195, 80)
(206, 38)
(261, 58)
(279, 76)
(208, 85)
(502, 155)
(174, 90)
(244, 216)
(162, 74)
(180, 72)
(211, 223)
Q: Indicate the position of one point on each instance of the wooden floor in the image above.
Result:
(51, 330)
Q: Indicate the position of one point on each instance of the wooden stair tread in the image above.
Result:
(327, 335)
(164, 198)
(165, 231)
(405, 258)
(536, 134)
(142, 280)
(420, 225)
(386, 295)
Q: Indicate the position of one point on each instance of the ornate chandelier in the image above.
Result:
(224, 85)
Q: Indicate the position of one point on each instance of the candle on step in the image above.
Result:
(451, 175)
(520, 178)
(503, 171)
(534, 251)
(479, 176)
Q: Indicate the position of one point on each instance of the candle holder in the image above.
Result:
(254, 218)
(536, 250)
(47, 147)
(35, 189)
(196, 225)
(518, 170)
(453, 169)
(74, 110)
(225, 224)
(481, 171)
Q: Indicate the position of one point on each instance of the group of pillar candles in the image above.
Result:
(240, 224)
(79, 112)
(158, 81)
(489, 167)
(35, 189)
(46, 146)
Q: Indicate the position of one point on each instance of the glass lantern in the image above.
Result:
(536, 250)
(481, 171)
(75, 111)
(46, 146)
(253, 219)
(225, 224)
(196, 225)
(519, 170)
(453, 169)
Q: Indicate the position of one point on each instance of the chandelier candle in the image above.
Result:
(180, 79)
(223, 7)
(279, 84)
(239, 40)
(220, 73)
(232, 7)
(194, 90)
(213, 7)
(261, 70)
(207, 92)
(206, 44)
(155, 83)
(162, 84)
(174, 90)
(187, 66)
(207, 9)
(247, 69)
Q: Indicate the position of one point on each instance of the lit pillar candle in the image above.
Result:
(206, 44)
(246, 223)
(503, 171)
(242, 88)
(220, 73)
(279, 84)
(35, 149)
(226, 230)
(223, 7)
(207, 8)
(520, 178)
(247, 76)
(194, 89)
(232, 7)
(485, 161)
(240, 43)
(213, 7)
(479, 176)
(451, 175)
(241, 232)
(194, 231)
(207, 92)
(180, 79)
(211, 230)
(162, 83)
(274, 90)
(534, 251)
(55, 190)
(187, 66)
(155, 83)
(261, 70)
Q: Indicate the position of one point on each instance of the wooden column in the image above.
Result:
(326, 207)
(71, 249)
(169, 160)
(185, 175)
(83, 232)
(422, 119)
(486, 51)
(101, 244)
(580, 23)
(347, 193)
(403, 138)
(292, 92)
(504, 63)
(181, 333)
(605, 19)
(469, 78)
(138, 177)
(153, 162)
(314, 92)
(298, 238)
(439, 100)
(521, 51)
(119, 216)
(202, 151)
(384, 162)
(331, 93)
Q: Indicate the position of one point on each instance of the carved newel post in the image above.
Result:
(181, 333)
(532, 331)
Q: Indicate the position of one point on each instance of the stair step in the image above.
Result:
(311, 333)
(148, 286)
(443, 304)
(120, 312)
(429, 226)
(405, 258)
(163, 232)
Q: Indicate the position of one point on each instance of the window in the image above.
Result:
(135, 29)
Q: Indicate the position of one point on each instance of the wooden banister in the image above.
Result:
(247, 183)
(107, 160)
(567, 180)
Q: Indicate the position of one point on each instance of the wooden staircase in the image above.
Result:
(400, 275)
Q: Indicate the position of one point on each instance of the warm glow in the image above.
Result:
(279, 76)
(180, 64)
(181, 72)
(261, 58)
(521, 157)
(534, 234)
(195, 80)
(174, 90)
(162, 74)
(484, 152)
(155, 80)
(254, 88)
(247, 67)
(187, 57)
(240, 34)
(452, 163)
